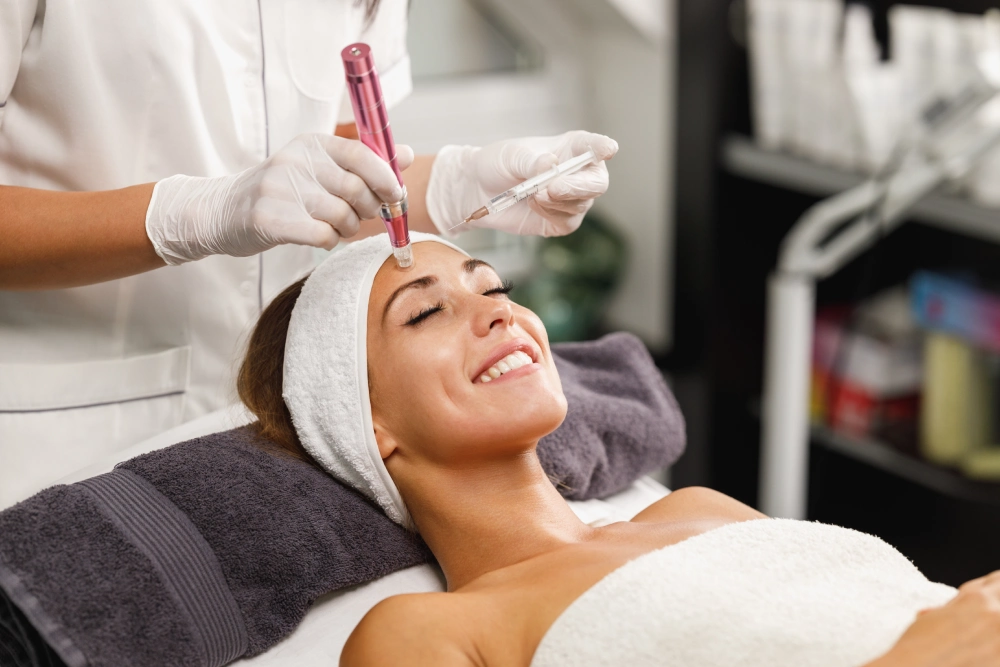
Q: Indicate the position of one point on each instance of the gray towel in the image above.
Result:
(622, 422)
(215, 548)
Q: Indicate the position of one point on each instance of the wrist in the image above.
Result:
(180, 212)
(161, 224)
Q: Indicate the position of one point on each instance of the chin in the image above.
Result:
(532, 415)
(524, 423)
(502, 428)
(543, 417)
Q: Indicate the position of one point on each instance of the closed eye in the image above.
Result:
(505, 287)
(425, 313)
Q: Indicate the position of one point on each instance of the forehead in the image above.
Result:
(429, 258)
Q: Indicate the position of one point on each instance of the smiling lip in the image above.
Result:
(508, 348)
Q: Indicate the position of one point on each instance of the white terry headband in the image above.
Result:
(326, 370)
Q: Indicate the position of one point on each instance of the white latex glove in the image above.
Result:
(313, 191)
(464, 178)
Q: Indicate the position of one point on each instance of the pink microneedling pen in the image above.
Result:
(372, 119)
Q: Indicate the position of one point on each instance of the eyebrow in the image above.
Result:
(426, 281)
(469, 266)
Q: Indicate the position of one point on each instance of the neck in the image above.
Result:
(486, 516)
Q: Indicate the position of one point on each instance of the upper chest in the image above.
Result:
(505, 622)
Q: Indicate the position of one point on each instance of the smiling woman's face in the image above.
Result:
(457, 370)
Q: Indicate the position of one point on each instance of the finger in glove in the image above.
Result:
(338, 214)
(350, 188)
(362, 161)
(555, 221)
(604, 147)
(323, 235)
(548, 206)
(523, 164)
(288, 224)
(404, 156)
(588, 183)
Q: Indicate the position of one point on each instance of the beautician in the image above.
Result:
(164, 169)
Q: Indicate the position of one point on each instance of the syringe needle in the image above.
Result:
(479, 213)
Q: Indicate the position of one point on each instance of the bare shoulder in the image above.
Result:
(408, 629)
(696, 503)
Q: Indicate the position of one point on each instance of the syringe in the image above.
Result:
(531, 186)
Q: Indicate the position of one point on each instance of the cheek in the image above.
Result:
(412, 385)
(532, 324)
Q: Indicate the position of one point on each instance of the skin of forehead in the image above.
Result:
(429, 258)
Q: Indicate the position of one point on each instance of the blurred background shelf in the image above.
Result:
(734, 204)
(742, 157)
(928, 475)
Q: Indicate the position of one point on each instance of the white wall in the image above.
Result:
(634, 104)
(607, 66)
(474, 44)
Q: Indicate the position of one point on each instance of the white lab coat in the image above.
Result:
(102, 94)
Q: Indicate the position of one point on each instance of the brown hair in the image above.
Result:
(261, 375)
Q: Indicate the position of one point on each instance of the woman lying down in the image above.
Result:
(430, 394)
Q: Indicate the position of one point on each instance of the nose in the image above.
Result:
(492, 313)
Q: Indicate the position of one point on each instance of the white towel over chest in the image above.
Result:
(771, 592)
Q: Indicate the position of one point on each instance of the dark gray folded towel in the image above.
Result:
(622, 422)
(215, 548)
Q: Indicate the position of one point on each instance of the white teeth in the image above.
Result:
(511, 362)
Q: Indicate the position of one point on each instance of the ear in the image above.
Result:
(387, 443)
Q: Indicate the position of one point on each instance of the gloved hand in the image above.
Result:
(313, 191)
(464, 178)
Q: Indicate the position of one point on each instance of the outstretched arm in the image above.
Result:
(312, 191)
(64, 239)
(963, 633)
